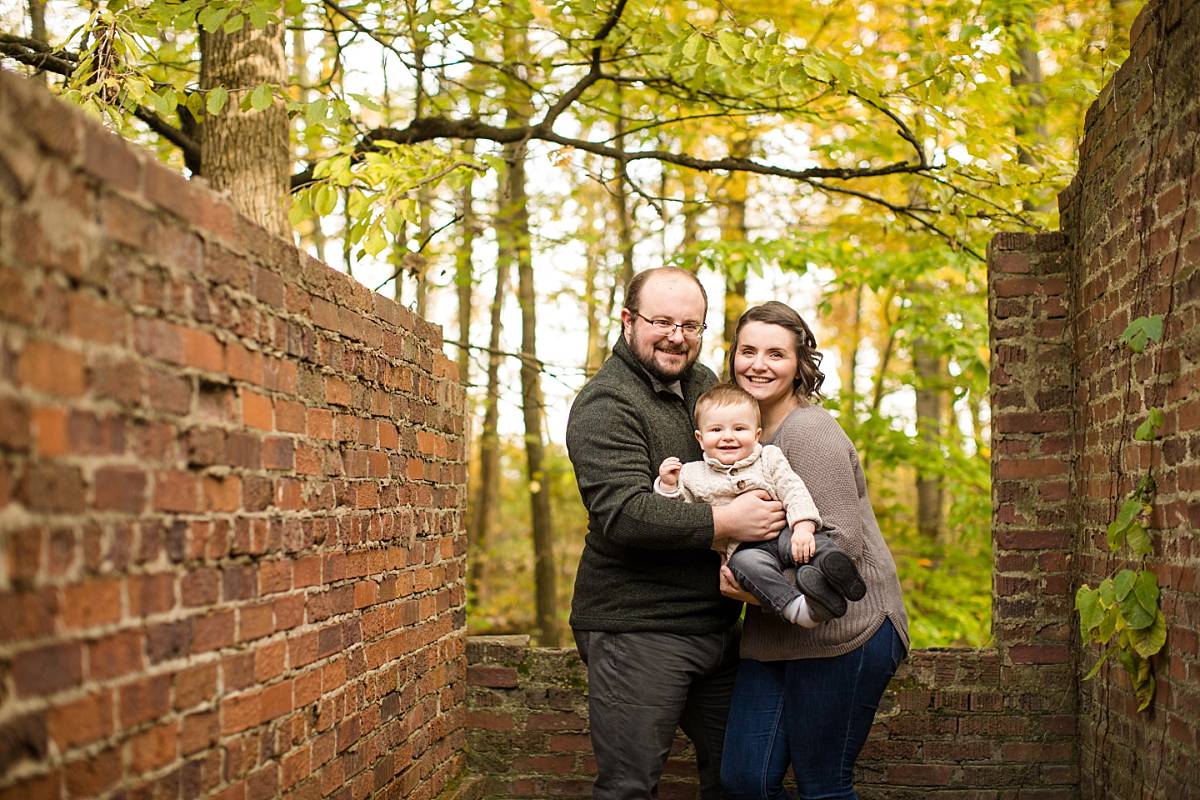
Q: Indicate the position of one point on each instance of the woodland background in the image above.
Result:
(504, 167)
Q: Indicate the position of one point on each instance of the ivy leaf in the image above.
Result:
(1123, 583)
(1108, 651)
(1142, 331)
(1107, 594)
(1138, 539)
(1108, 626)
(1148, 641)
(1148, 430)
(1139, 606)
(1145, 692)
(217, 97)
(1146, 590)
(1087, 602)
(326, 200)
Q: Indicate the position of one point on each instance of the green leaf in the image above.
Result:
(1087, 602)
(1146, 590)
(235, 23)
(260, 98)
(1108, 626)
(217, 97)
(1138, 539)
(317, 111)
(1148, 430)
(731, 44)
(1142, 331)
(1145, 693)
(1123, 583)
(211, 17)
(1108, 651)
(1139, 606)
(1148, 641)
(326, 200)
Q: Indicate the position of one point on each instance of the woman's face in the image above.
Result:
(765, 363)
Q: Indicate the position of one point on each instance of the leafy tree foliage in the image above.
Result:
(873, 148)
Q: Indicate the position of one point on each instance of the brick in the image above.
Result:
(202, 350)
(50, 429)
(120, 489)
(257, 411)
(153, 748)
(144, 700)
(177, 491)
(91, 604)
(82, 721)
(195, 685)
(47, 669)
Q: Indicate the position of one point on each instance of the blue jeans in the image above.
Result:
(814, 714)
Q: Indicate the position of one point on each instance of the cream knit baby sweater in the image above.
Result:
(710, 481)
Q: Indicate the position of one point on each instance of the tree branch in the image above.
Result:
(40, 55)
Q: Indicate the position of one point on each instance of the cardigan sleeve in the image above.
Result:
(821, 454)
(789, 487)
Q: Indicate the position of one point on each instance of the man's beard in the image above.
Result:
(665, 347)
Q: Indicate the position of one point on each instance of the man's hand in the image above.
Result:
(668, 473)
(749, 517)
(803, 543)
(732, 589)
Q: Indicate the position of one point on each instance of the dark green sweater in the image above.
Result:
(647, 561)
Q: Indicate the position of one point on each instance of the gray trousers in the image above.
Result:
(643, 684)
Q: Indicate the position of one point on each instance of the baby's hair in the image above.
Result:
(725, 394)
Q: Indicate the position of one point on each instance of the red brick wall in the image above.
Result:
(1133, 217)
(231, 481)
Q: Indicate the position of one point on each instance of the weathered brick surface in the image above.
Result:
(231, 481)
(1133, 217)
(1015, 719)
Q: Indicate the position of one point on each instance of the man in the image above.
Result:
(659, 640)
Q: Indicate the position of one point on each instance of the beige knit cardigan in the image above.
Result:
(825, 459)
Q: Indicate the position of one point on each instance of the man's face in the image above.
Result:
(677, 298)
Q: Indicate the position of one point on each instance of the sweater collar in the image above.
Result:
(717, 466)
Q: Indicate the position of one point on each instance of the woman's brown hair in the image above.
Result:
(808, 375)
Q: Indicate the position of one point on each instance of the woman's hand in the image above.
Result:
(732, 589)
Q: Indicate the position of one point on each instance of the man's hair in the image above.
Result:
(633, 290)
(726, 394)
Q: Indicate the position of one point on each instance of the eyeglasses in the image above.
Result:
(666, 327)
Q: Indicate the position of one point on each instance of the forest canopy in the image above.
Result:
(504, 167)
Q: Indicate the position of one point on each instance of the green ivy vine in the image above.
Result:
(1124, 612)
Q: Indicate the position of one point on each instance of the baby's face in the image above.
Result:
(728, 433)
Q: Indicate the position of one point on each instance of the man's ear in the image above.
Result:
(626, 322)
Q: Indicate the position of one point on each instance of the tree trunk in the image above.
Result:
(927, 366)
(621, 197)
(733, 229)
(245, 153)
(1030, 122)
(487, 483)
(512, 232)
(464, 270)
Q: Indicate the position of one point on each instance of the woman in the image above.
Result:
(808, 696)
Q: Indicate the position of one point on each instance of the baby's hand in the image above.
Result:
(804, 545)
(668, 472)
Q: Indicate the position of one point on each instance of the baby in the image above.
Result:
(728, 429)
